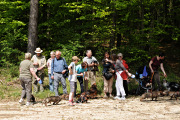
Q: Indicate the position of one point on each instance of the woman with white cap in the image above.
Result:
(124, 75)
(49, 61)
(119, 81)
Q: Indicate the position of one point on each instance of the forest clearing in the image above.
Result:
(95, 109)
(138, 29)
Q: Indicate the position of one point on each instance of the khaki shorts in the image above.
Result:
(72, 86)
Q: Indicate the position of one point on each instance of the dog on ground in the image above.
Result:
(83, 97)
(171, 86)
(65, 97)
(172, 94)
(54, 99)
(93, 91)
(153, 95)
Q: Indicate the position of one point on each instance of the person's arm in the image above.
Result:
(81, 74)
(65, 65)
(95, 60)
(150, 66)
(44, 65)
(162, 68)
(70, 69)
(48, 62)
(122, 66)
(32, 60)
(52, 69)
(106, 64)
(34, 74)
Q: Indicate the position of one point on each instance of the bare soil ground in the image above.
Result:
(96, 109)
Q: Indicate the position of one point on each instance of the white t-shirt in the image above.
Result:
(73, 77)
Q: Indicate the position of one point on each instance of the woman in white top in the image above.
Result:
(52, 54)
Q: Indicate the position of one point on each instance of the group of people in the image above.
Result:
(114, 67)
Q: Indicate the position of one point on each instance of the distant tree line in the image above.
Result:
(134, 27)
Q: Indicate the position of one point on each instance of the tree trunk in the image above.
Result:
(32, 29)
(142, 17)
(118, 44)
(113, 36)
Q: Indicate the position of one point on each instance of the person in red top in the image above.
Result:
(154, 65)
(124, 75)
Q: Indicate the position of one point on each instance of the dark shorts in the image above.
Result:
(72, 86)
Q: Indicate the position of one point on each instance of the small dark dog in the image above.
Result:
(32, 99)
(95, 67)
(54, 99)
(83, 97)
(153, 95)
(93, 91)
(172, 94)
(171, 86)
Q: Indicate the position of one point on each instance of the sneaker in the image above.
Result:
(117, 98)
(21, 101)
(29, 103)
(122, 98)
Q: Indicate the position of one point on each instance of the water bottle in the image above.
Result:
(40, 81)
(133, 76)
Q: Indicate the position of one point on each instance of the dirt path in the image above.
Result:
(129, 109)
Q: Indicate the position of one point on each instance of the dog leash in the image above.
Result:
(151, 80)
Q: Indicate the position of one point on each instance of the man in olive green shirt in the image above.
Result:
(26, 72)
(39, 62)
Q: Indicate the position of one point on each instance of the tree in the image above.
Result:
(32, 29)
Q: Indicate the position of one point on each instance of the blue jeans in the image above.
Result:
(51, 85)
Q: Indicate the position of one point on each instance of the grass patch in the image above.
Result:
(10, 88)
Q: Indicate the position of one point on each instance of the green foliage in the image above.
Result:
(136, 28)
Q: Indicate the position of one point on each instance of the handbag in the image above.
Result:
(108, 75)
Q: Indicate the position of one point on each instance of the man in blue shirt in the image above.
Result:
(58, 68)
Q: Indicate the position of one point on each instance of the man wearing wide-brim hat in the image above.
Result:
(39, 62)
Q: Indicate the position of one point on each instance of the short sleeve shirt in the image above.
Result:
(89, 61)
(79, 69)
(25, 66)
(73, 77)
(156, 63)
